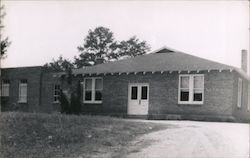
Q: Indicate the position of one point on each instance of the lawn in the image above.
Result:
(28, 135)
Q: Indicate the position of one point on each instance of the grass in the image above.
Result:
(28, 135)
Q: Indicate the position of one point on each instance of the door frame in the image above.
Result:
(129, 95)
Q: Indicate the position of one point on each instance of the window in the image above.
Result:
(248, 102)
(134, 93)
(191, 89)
(23, 91)
(93, 90)
(144, 92)
(5, 88)
(57, 89)
(239, 92)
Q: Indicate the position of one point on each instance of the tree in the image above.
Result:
(59, 65)
(4, 43)
(133, 47)
(100, 46)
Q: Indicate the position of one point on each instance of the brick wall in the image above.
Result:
(14, 75)
(241, 113)
(220, 93)
(40, 91)
(47, 103)
(163, 94)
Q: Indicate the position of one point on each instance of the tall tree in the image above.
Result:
(3, 48)
(58, 65)
(4, 42)
(99, 47)
(133, 47)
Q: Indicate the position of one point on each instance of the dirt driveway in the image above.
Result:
(193, 139)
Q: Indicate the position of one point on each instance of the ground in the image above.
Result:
(34, 135)
(193, 139)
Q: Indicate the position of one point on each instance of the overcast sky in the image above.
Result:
(42, 30)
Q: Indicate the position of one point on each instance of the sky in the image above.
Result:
(43, 30)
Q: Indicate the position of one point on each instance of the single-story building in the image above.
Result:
(164, 84)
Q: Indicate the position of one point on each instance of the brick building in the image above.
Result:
(165, 84)
(28, 89)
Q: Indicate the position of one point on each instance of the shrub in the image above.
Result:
(73, 104)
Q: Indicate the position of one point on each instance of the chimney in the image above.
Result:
(244, 61)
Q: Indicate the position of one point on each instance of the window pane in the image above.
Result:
(57, 93)
(98, 95)
(6, 81)
(134, 93)
(239, 92)
(56, 99)
(184, 95)
(98, 84)
(198, 82)
(88, 95)
(23, 92)
(57, 90)
(5, 90)
(88, 84)
(57, 87)
(144, 92)
(184, 82)
(197, 95)
(23, 81)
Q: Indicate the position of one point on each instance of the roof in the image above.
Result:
(163, 59)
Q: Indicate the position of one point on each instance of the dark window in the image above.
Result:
(134, 93)
(6, 81)
(56, 92)
(184, 95)
(197, 95)
(88, 95)
(23, 81)
(144, 92)
(98, 95)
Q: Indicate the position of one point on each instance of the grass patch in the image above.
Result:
(28, 135)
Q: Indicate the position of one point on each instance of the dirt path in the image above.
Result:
(194, 140)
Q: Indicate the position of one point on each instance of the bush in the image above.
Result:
(72, 105)
(64, 103)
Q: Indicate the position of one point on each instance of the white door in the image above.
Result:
(138, 99)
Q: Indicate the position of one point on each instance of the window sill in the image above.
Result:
(22, 102)
(190, 103)
(92, 102)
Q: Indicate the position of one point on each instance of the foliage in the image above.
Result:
(4, 43)
(100, 46)
(71, 103)
(59, 65)
(64, 103)
(133, 47)
(75, 106)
